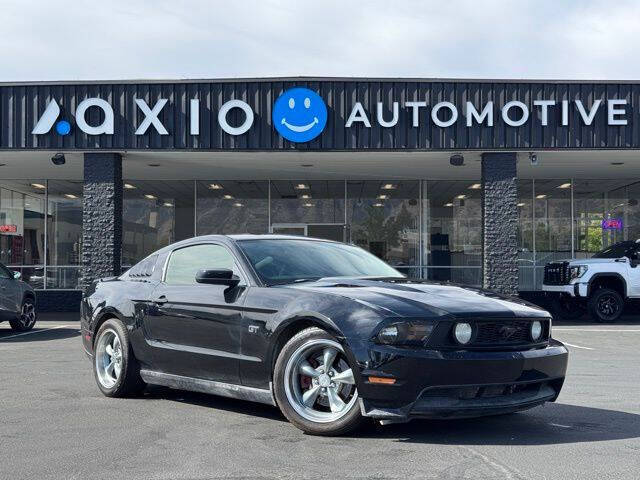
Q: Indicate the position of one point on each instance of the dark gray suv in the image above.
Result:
(17, 301)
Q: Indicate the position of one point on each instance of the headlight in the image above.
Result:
(404, 333)
(577, 271)
(463, 333)
(536, 331)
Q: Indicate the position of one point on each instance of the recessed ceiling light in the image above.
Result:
(227, 197)
(564, 185)
(70, 195)
(153, 164)
(149, 196)
(617, 163)
(38, 185)
(238, 204)
(521, 204)
(308, 204)
(301, 186)
(305, 196)
(542, 195)
(215, 186)
(378, 204)
(461, 197)
(448, 204)
(128, 186)
(475, 186)
(168, 204)
(388, 186)
(307, 165)
(383, 197)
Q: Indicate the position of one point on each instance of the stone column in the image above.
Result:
(101, 216)
(499, 222)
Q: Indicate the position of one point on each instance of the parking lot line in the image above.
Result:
(613, 330)
(34, 331)
(578, 346)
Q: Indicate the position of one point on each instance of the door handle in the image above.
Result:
(161, 300)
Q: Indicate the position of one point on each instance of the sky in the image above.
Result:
(116, 39)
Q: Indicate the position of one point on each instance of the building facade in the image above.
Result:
(474, 181)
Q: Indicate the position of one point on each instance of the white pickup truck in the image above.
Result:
(602, 284)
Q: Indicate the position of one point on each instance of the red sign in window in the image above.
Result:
(8, 228)
(612, 224)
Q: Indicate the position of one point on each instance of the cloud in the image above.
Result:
(71, 40)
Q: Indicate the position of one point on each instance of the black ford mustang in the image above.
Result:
(325, 331)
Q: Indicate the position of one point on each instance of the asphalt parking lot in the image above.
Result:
(54, 423)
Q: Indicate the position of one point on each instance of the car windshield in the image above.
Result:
(280, 261)
(617, 250)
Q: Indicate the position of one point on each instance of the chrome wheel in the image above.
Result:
(28, 315)
(319, 384)
(108, 358)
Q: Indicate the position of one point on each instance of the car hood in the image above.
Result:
(591, 261)
(418, 298)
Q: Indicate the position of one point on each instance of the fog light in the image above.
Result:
(463, 332)
(536, 330)
(388, 335)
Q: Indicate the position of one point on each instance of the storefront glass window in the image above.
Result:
(230, 207)
(526, 254)
(313, 208)
(383, 217)
(156, 213)
(64, 233)
(22, 243)
(452, 214)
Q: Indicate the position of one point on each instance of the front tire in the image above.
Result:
(27, 317)
(314, 384)
(115, 368)
(606, 305)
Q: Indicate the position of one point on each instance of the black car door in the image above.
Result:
(9, 288)
(194, 329)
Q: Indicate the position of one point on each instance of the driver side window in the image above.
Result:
(5, 273)
(185, 262)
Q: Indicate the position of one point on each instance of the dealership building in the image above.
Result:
(479, 182)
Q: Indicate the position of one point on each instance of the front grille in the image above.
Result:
(556, 273)
(503, 333)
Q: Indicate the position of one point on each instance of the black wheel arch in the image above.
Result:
(618, 284)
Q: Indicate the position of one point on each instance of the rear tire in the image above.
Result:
(314, 385)
(27, 317)
(606, 305)
(115, 368)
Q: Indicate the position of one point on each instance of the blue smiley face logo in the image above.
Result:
(299, 114)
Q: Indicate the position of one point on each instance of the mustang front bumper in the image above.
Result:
(458, 384)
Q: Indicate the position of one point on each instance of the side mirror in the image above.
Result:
(221, 276)
(17, 275)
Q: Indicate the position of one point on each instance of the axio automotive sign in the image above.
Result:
(300, 115)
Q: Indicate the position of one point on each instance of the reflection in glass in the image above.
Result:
(383, 218)
(231, 207)
(156, 213)
(453, 231)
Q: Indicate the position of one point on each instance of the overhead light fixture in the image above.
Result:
(301, 186)
(128, 186)
(238, 204)
(168, 204)
(383, 197)
(227, 197)
(308, 204)
(541, 196)
(521, 204)
(378, 204)
(617, 163)
(305, 196)
(307, 165)
(475, 186)
(38, 185)
(215, 186)
(564, 185)
(153, 164)
(388, 186)
(149, 196)
(70, 195)
(448, 204)
(461, 197)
